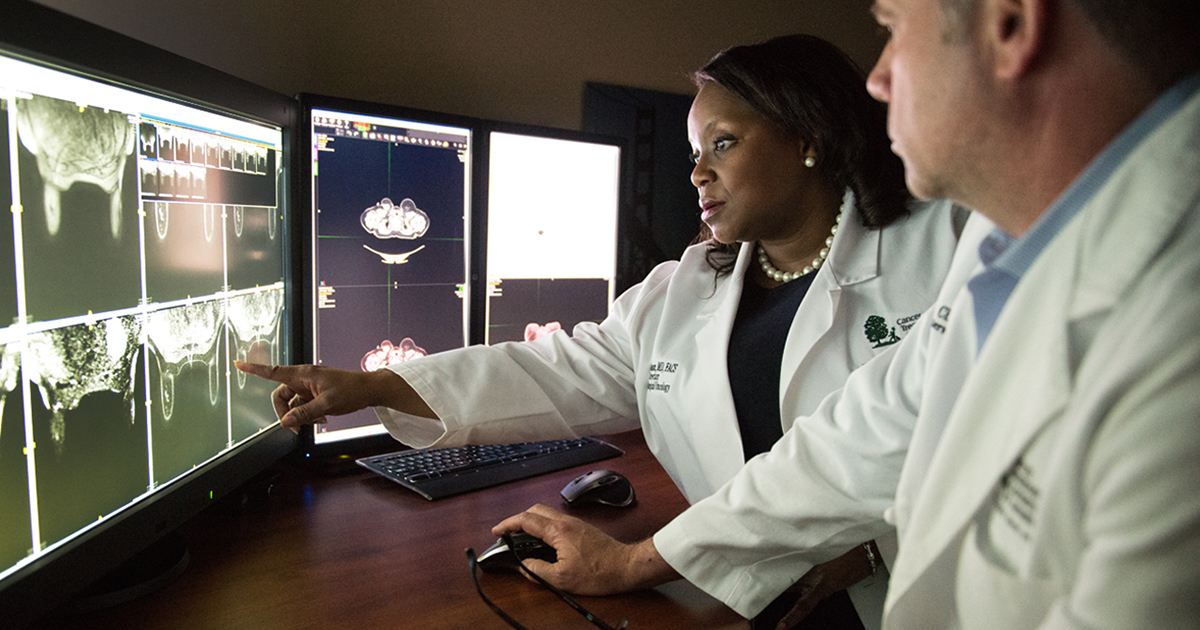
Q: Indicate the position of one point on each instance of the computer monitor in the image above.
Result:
(553, 200)
(389, 193)
(147, 249)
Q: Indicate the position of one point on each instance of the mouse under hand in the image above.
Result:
(502, 557)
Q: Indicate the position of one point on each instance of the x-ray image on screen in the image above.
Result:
(132, 272)
(523, 309)
(390, 215)
(185, 254)
(255, 325)
(187, 394)
(15, 528)
(85, 381)
(79, 196)
(8, 271)
(252, 236)
(552, 233)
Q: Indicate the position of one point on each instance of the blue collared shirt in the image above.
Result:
(1007, 258)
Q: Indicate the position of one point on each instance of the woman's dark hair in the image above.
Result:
(813, 92)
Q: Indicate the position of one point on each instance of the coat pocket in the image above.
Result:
(989, 595)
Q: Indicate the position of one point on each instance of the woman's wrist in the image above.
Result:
(389, 389)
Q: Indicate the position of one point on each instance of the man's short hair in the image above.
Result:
(1156, 36)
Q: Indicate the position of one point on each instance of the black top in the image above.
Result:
(760, 330)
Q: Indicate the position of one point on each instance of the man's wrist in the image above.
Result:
(646, 568)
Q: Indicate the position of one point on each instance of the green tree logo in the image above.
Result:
(878, 332)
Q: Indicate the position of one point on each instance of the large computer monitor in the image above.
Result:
(147, 249)
(553, 200)
(389, 196)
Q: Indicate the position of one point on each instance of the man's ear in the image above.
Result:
(1015, 32)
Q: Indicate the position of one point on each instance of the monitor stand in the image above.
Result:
(155, 567)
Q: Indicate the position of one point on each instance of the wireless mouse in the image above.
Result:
(600, 486)
(499, 558)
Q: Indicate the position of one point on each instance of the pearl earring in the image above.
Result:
(810, 161)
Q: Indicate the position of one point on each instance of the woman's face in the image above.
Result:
(751, 178)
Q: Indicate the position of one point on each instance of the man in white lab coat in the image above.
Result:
(1034, 439)
(1044, 419)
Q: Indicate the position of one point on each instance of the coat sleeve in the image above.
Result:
(821, 490)
(558, 386)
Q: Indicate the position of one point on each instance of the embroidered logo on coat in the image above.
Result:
(879, 333)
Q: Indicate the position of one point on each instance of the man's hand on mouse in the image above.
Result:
(590, 562)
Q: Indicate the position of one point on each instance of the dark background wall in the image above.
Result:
(523, 61)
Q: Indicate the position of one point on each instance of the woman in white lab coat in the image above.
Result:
(814, 259)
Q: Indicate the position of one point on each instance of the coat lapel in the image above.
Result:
(853, 258)
(1021, 382)
(1024, 376)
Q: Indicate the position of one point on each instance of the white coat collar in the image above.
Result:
(1023, 377)
(853, 258)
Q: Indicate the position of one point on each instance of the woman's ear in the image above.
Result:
(808, 153)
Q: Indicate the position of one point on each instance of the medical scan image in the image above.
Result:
(379, 185)
(79, 192)
(256, 320)
(8, 268)
(185, 251)
(386, 353)
(15, 529)
(134, 266)
(69, 363)
(535, 331)
(185, 338)
(516, 307)
(86, 385)
(186, 400)
(75, 143)
(85, 382)
(254, 323)
(392, 259)
(387, 220)
(252, 246)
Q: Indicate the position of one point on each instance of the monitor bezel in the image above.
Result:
(47, 36)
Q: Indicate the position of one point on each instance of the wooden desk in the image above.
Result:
(357, 551)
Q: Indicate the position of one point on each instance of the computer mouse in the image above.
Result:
(500, 558)
(600, 486)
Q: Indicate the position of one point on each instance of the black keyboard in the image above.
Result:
(443, 472)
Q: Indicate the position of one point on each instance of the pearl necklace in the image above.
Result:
(788, 276)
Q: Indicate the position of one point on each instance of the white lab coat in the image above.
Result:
(1049, 483)
(1087, 396)
(658, 362)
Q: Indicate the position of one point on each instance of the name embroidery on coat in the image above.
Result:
(661, 375)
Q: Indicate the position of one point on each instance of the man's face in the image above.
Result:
(929, 84)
